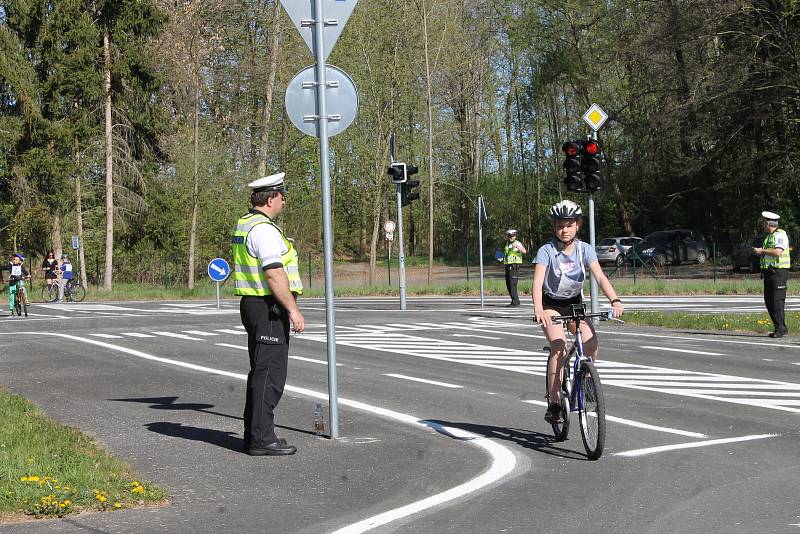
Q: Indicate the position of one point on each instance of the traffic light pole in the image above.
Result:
(592, 281)
(401, 258)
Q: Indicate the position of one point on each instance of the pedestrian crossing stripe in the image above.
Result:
(395, 338)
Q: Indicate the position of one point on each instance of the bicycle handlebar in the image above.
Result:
(603, 316)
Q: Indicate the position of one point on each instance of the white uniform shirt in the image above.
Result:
(265, 243)
(781, 240)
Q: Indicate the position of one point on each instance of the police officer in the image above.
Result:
(775, 263)
(267, 278)
(512, 259)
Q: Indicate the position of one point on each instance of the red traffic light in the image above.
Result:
(570, 149)
(591, 148)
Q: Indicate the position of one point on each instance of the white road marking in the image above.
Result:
(503, 460)
(302, 359)
(424, 381)
(199, 333)
(688, 351)
(474, 335)
(230, 331)
(107, 336)
(692, 445)
(637, 424)
(175, 335)
(136, 334)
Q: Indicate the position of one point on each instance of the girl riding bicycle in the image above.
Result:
(558, 279)
(17, 273)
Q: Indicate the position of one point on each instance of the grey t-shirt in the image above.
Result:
(565, 271)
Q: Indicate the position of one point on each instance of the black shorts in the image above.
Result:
(562, 306)
(50, 276)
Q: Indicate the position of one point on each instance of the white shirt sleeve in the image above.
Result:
(781, 241)
(265, 243)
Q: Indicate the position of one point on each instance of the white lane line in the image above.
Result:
(136, 334)
(199, 333)
(302, 359)
(503, 460)
(230, 331)
(424, 381)
(687, 351)
(637, 424)
(474, 335)
(106, 336)
(664, 448)
(177, 336)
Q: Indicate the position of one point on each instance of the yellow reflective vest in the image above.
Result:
(511, 255)
(775, 262)
(248, 277)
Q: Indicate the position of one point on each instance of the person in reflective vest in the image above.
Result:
(512, 260)
(266, 277)
(775, 263)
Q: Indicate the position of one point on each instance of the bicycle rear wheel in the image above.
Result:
(22, 296)
(50, 293)
(561, 430)
(17, 304)
(593, 411)
(77, 293)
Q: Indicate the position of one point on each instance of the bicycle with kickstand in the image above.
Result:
(581, 390)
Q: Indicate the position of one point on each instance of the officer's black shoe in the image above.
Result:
(279, 448)
(246, 444)
(776, 334)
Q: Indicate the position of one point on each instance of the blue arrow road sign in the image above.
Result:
(218, 269)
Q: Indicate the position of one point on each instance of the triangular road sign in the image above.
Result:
(334, 12)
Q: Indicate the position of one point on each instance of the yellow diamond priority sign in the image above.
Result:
(595, 117)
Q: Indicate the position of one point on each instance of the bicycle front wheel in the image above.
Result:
(49, 293)
(592, 411)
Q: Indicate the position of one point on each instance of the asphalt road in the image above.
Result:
(440, 420)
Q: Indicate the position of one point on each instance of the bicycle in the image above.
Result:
(74, 291)
(584, 395)
(50, 292)
(21, 301)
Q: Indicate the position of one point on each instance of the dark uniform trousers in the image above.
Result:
(267, 326)
(512, 278)
(775, 296)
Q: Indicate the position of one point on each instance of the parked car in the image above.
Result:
(671, 246)
(613, 249)
(743, 256)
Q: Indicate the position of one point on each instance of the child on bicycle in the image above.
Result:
(17, 273)
(66, 275)
(558, 278)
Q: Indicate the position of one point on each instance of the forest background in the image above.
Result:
(136, 124)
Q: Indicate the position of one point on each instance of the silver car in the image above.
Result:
(613, 249)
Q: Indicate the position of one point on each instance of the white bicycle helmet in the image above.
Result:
(566, 209)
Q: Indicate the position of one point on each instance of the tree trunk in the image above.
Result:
(56, 235)
(79, 206)
(266, 111)
(107, 275)
(195, 180)
(431, 166)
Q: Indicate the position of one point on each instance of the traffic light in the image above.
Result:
(591, 165)
(572, 164)
(397, 172)
(407, 195)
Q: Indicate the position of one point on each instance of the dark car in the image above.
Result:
(671, 246)
(743, 256)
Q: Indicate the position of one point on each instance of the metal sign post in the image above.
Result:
(320, 34)
(218, 270)
(401, 258)
(389, 228)
(481, 214)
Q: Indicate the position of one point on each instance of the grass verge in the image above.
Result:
(731, 322)
(50, 470)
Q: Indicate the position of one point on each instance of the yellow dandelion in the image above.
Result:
(23, 479)
(33, 478)
(117, 505)
(67, 502)
(138, 489)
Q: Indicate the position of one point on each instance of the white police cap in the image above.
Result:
(511, 231)
(768, 215)
(273, 182)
